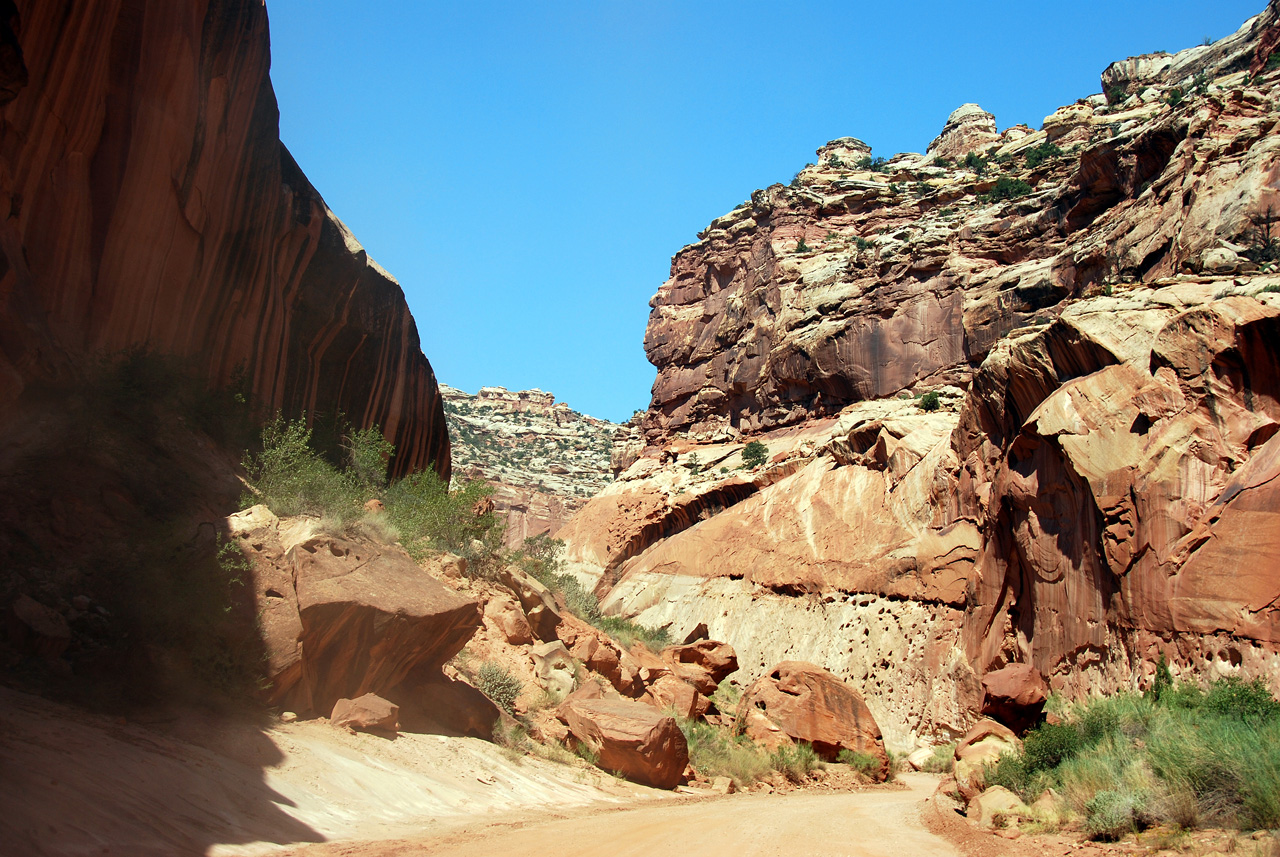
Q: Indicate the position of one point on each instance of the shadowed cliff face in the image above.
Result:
(146, 198)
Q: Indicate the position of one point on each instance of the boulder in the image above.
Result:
(797, 701)
(981, 746)
(599, 653)
(538, 601)
(368, 713)
(704, 664)
(1219, 260)
(997, 800)
(631, 738)
(671, 693)
(1014, 695)
(554, 667)
(369, 617)
(37, 629)
(438, 704)
(508, 617)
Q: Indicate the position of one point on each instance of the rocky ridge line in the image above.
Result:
(543, 458)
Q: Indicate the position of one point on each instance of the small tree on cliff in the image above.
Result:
(755, 454)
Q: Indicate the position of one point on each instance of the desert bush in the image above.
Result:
(795, 761)
(1008, 188)
(875, 165)
(864, 763)
(430, 517)
(1129, 761)
(930, 401)
(755, 454)
(495, 682)
(1037, 155)
(716, 752)
(943, 760)
(291, 478)
(975, 162)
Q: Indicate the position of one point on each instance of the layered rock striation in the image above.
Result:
(146, 200)
(1017, 397)
(543, 458)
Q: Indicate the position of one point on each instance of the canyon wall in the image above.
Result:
(146, 200)
(1019, 398)
(542, 458)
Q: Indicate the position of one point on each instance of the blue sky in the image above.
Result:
(527, 170)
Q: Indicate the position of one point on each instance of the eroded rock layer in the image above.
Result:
(146, 199)
(1017, 397)
(543, 458)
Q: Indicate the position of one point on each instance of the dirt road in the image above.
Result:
(840, 824)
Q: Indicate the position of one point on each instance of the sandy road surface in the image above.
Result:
(840, 824)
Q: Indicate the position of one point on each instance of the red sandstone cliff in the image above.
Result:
(146, 198)
(1096, 487)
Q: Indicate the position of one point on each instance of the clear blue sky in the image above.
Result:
(527, 170)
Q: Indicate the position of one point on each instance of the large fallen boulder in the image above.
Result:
(369, 713)
(441, 704)
(369, 616)
(798, 701)
(1014, 695)
(988, 808)
(631, 738)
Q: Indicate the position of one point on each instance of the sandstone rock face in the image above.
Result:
(1077, 498)
(369, 713)
(633, 739)
(543, 458)
(802, 702)
(147, 199)
(969, 128)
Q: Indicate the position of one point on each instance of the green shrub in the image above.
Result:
(975, 162)
(430, 517)
(1050, 745)
(863, 244)
(755, 454)
(499, 685)
(875, 165)
(716, 752)
(795, 762)
(1037, 155)
(930, 401)
(864, 763)
(1111, 814)
(943, 760)
(1008, 188)
(802, 247)
(1242, 700)
(291, 478)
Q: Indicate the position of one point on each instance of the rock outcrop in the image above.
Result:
(1019, 411)
(543, 458)
(146, 199)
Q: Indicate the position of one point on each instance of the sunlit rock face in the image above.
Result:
(1094, 304)
(542, 458)
(147, 200)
